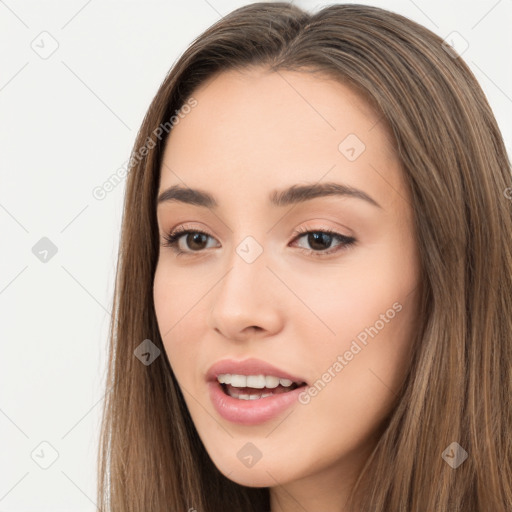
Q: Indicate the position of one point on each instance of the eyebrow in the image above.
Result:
(292, 195)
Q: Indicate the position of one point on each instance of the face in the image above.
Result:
(320, 283)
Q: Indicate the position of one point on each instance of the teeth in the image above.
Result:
(253, 381)
(272, 382)
(239, 381)
(244, 396)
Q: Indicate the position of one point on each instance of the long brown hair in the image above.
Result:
(459, 385)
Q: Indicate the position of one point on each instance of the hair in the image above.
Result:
(458, 387)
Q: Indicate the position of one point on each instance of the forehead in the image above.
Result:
(255, 130)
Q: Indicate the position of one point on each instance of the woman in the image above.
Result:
(312, 308)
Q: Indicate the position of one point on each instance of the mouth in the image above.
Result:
(251, 403)
(255, 387)
(252, 391)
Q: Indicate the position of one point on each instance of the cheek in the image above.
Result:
(177, 295)
(164, 301)
(176, 309)
(357, 377)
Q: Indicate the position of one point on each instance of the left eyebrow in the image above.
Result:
(291, 195)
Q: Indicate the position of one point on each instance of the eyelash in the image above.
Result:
(171, 240)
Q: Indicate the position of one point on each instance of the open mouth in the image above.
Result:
(253, 398)
(251, 393)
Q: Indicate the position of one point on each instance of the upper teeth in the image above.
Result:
(253, 381)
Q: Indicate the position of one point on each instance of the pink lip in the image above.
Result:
(250, 412)
(248, 367)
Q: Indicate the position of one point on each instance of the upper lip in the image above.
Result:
(250, 366)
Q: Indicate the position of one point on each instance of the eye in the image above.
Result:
(194, 237)
(318, 239)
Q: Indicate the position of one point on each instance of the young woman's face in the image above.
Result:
(271, 154)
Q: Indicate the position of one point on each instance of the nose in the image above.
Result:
(246, 303)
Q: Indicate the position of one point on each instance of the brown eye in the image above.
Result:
(321, 240)
(195, 240)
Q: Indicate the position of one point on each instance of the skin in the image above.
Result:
(252, 132)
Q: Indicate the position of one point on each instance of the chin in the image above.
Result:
(251, 477)
(256, 476)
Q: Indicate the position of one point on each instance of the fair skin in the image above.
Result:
(253, 132)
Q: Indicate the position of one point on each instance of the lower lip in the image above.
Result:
(251, 412)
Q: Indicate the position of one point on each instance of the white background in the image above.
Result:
(67, 123)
